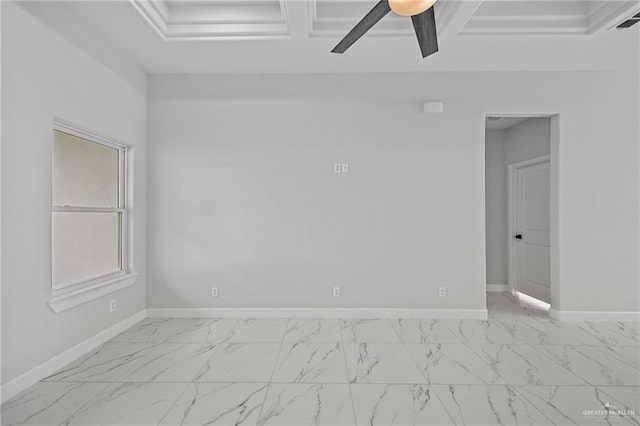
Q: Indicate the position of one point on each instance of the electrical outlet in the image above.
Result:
(442, 292)
(341, 168)
(336, 292)
(214, 291)
(113, 305)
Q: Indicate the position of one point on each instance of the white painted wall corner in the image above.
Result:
(33, 376)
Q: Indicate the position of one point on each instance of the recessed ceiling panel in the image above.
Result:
(495, 17)
(215, 19)
(337, 17)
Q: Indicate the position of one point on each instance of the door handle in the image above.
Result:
(518, 236)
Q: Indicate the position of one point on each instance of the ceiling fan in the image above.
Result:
(422, 15)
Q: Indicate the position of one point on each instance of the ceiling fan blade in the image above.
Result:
(425, 26)
(370, 19)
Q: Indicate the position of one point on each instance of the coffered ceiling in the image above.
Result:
(268, 19)
(225, 20)
(290, 36)
(546, 17)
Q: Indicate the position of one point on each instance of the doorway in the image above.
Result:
(518, 191)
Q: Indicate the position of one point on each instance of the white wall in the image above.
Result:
(496, 207)
(243, 196)
(44, 75)
(1, 96)
(529, 139)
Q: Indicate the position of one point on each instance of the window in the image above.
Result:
(89, 213)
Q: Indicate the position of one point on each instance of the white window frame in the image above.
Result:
(72, 294)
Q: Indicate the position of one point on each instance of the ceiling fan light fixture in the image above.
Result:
(410, 7)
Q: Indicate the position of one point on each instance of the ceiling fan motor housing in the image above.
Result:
(410, 7)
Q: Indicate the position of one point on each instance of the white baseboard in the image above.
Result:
(497, 288)
(593, 315)
(33, 376)
(315, 313)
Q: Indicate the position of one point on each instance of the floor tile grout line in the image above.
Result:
(610, 395)
(176, 401)
(346, 368)
(535, 348)
(462, 339)
(415, 363)
(478, 356)
(523, 396)
(617, 330)
(74, 412)
(273, 370)
(502, 326)
(615, 356)
(424, 376)
(586, 383)
(610, 330)
(568, 333)
(519, 390)
(415, 382)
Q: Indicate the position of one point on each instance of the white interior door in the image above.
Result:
(532, 242)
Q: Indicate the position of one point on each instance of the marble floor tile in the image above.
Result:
(368, 330)
(628, 329)
(307, 404)
(423, 331)
(536, 332)
(593, 365)
(627, 354)
(217, 404)
(107, 363)
(169, 362)
(381, 363)
(479, 332)
(452, 364)
(212, 330)
(310, 363)
(258, 330)
(129, 404)
(158, 330)
(627, 396)
(240, 362)
(387, 405)
(514, 368)
(524, 365)
(488, 405)
(49, 402)
(313, 330)
(591, 333)
(149, 330)
(579, 405)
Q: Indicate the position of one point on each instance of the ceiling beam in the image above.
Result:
(296, 14)
(458, 17)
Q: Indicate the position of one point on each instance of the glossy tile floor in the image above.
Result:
(519, 367)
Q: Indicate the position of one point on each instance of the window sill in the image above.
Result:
(70, 299)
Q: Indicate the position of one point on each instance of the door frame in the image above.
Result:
(512, 200)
